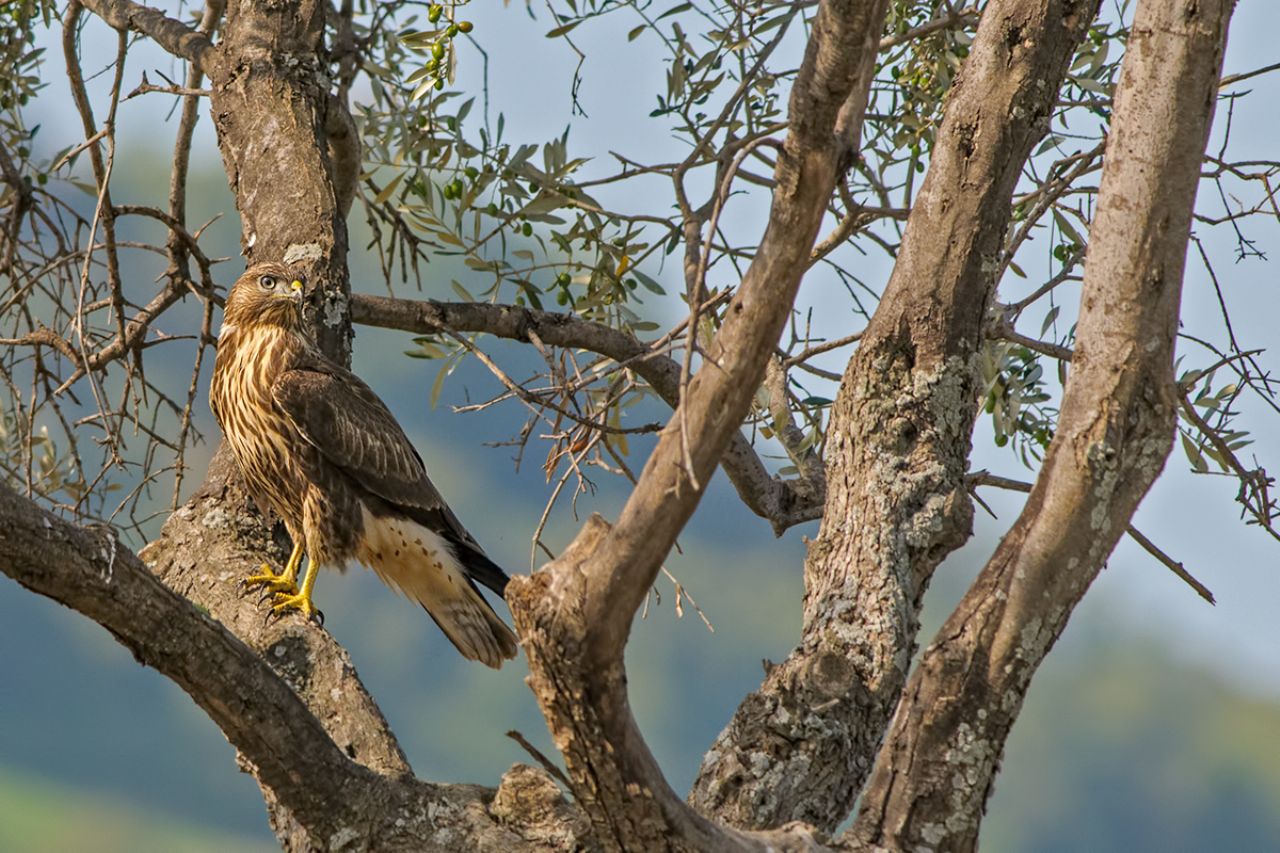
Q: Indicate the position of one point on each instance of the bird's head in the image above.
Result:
(268, 294)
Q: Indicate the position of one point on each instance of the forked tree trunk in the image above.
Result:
(800, 748)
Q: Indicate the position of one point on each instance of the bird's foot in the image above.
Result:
(300, 602)
(270, 582)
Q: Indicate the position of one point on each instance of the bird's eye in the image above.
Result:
(268, 282)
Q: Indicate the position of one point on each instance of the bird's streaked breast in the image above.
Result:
(262, 439)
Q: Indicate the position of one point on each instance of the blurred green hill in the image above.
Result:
(41, 817)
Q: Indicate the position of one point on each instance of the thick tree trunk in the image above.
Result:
(935, 772)
(575, 614)
(801, 746)
(271, 106)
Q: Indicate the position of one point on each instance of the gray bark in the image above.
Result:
(935, 772)
(801, 746)
(574, 615)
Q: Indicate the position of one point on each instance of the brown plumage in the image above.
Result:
(317, 447)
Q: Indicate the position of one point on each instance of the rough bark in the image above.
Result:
(801, 746)
(574, 616)
(290, 702)
(270, 103)
(332, 773)
(935, 772)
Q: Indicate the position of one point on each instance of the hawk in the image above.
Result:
(315, 445)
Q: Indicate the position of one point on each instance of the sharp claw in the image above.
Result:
(318, 617)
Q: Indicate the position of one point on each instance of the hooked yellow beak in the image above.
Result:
(296, 289)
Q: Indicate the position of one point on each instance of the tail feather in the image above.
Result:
(437, 574)
(479, 567)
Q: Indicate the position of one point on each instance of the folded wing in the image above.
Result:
(342, 417)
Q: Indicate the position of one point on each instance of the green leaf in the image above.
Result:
(563, 29)
(1049, 318)
(1194, 456)
(1066, 228)
(648, 282)
(438, 385)
(390, 188)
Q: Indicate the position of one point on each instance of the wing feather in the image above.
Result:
(342, 417)
(349, 424)
(355, 430)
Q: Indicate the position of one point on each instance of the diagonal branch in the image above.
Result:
(783, 503)
(801, 746)
(319, 795)
(261, 716)
(172, 35)
(985, 478)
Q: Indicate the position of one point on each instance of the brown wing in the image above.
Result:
(348, 423)
(355, 431)
(353, 428)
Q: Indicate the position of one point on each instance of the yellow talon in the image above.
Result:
(285, 582)
(300, 601)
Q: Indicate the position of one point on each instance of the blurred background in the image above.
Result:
(1155, 724)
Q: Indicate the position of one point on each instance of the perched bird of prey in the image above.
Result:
(315, 445)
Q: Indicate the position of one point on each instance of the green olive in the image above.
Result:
(434, 13)
(465, 26)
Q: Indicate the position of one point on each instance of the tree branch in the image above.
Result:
(319, 796)
(174, 36)
(783, 503)
(95, 575)
(937, 766)
(985, 478)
